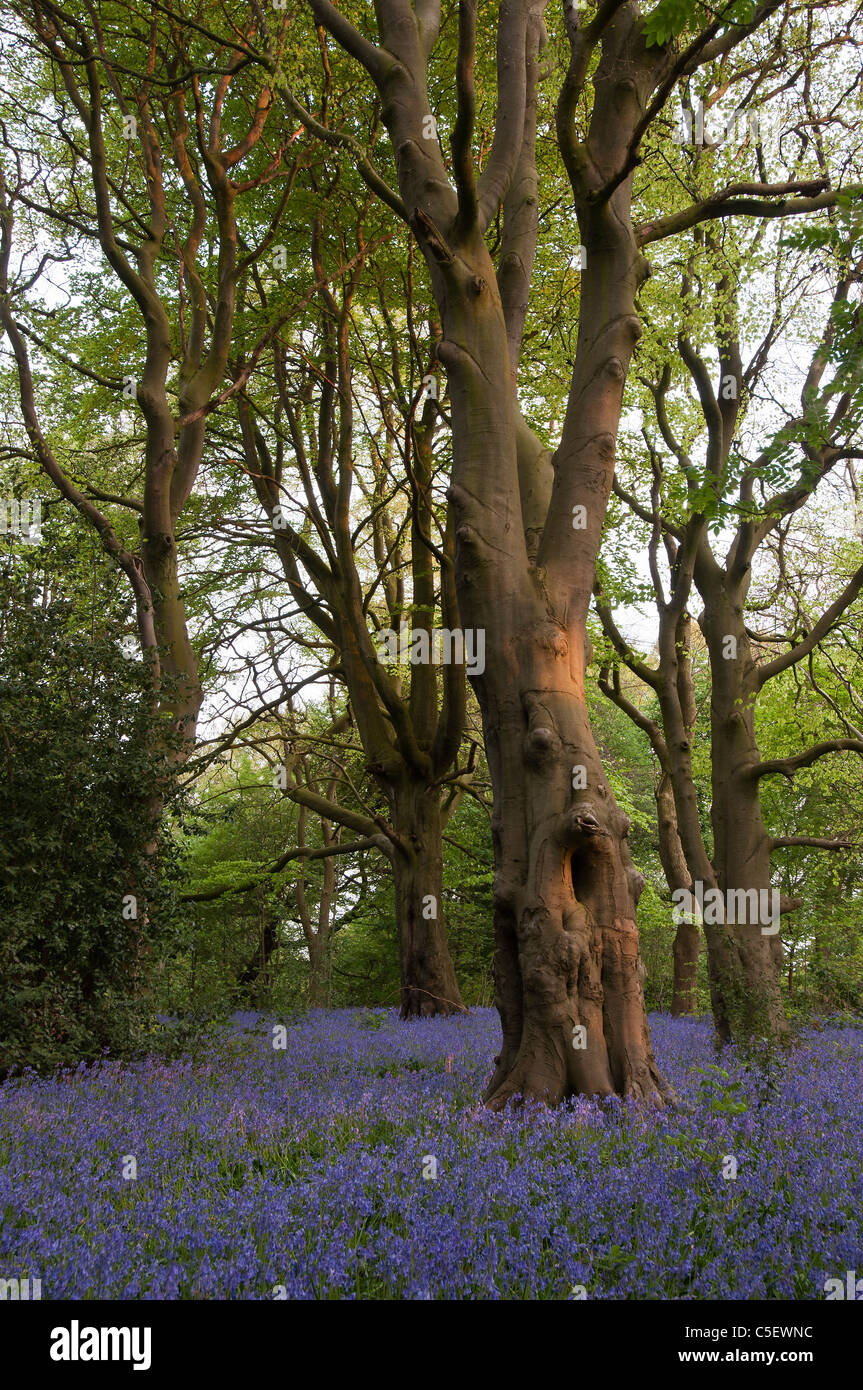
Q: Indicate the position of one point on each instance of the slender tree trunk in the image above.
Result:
(429, 984)
(317, 993)
(254, 981)
(410, 741)
(159, 561)
(318, 935)
(687, 938)
(179, 661)
(686, 948)
(746, 953)
(320, 942)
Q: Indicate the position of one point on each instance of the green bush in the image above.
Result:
(76, 817)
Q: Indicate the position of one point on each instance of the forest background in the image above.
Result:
(216, 795)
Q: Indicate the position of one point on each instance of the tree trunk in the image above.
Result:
(318, 936)
(179, 663)
(744, 956)
(687, 944)
(321, 941)
(255, 982)
(687, 938)
(428, 981)
(317, 992)
(567, 966)
(568, 971)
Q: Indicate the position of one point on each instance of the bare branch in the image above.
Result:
(376, 61)
(820, 629)
(789, 766)
(813, 841)
(509, 121)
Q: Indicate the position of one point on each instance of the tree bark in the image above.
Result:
(566, 892)
(318, 934)
(687, 938)
(567, 964)
(429, 984)
(317, 989)
(744, 960)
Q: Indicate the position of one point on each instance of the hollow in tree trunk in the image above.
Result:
(568, 972)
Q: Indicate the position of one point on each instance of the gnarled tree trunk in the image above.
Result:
(567, 965)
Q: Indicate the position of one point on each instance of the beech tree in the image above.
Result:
(341, 458)
(146, 143)
(739, 501)
(528, 528)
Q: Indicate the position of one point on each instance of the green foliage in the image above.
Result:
(719, 1093)
(78, 740)
(235, 827)
(80, 772)
(671, 18)
(668, 19)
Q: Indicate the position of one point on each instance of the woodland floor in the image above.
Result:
(267, 1173)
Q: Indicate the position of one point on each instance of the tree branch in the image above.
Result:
(814, 841)
(789, 766)
(302, 852)
(821, 628)
(727, 204)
